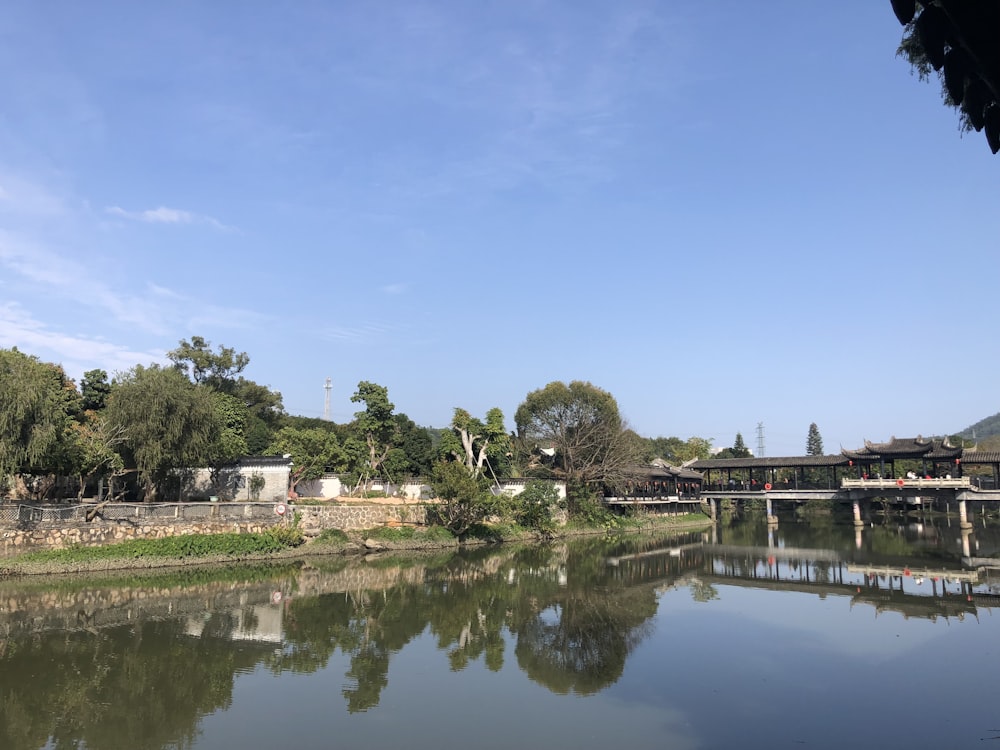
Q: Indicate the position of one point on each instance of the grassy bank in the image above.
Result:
(282, 543)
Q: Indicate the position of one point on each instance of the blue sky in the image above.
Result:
(723, 213)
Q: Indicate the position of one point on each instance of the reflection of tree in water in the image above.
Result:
(142, 687)
(581, 643)
(703, 592)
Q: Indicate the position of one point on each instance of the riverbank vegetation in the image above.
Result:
(131, 436)
(282, 542)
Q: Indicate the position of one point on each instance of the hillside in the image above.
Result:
(983, 428)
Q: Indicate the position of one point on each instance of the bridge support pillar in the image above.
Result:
(713, 508)
(963, 516)
(772, 520)
(857, 536)
(857, 513)
(966, 547)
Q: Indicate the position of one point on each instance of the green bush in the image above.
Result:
(534, 507)
(330, 536)
(393, 533)
(275, 539)
(438, 534)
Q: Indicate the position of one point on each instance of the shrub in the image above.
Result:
(465, 499)
(329, 536)
(534, 507)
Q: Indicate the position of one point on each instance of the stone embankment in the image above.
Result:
(27, 528)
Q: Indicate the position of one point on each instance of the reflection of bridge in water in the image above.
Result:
(924, 591)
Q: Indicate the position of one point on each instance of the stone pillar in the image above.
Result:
(857, 536)
(963, 516)
(966, 549)
(772, 520)
(857, 513)
(713, 508)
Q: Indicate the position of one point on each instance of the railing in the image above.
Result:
(34, 514)
(954, 483)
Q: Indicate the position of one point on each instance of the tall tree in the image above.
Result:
(582, 427)
(471, 439)
(375, 424)
(675, 450)
(93, 445)
(37, 402)
(168, 422)
(739, 449)
(196, 359)
(313, 451)
(814, 442)
(94, 389)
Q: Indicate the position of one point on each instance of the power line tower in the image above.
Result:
(760, 440)
(326, 401)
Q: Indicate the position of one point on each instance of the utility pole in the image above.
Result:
(326, 402)
(760, 440)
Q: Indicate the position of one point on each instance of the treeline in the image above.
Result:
(135, 430)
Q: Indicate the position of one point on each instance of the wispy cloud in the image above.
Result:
(394, 288)
(77, 353)
(164, 215)
(362, 332)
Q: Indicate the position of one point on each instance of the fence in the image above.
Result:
(13, 515)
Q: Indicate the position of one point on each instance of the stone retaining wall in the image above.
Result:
(55, 535)
(315, 518)
(20, 536)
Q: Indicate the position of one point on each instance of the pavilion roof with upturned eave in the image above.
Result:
(902, 448)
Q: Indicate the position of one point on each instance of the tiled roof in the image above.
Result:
(768, 462)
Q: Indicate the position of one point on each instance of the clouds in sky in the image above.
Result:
(164, 215)
(693, 206)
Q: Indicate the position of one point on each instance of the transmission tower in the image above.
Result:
(326, 401)
(760, 440)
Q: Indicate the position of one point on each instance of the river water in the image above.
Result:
(804, 636)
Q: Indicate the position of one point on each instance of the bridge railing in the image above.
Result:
(954, 483)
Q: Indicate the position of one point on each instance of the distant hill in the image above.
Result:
(983, 428)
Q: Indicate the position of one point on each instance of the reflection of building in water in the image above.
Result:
(261, 623)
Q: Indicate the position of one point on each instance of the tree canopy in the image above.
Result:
(167, 422)
(37, 404)
(814, 442)
(581, 426)
(960, 40)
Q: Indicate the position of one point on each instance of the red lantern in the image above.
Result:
(958, 461)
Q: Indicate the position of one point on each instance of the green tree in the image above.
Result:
(958, 39)
(470, 439)
(233, 416)
(313, 450)
(416, 445)
(676, 451)
(465, 499)
(196, 359)
(37, 403)
(92, 447)
(167, 422)
(814, 442)
(535, 506)
(94, 388)
(581, 426)
(375, 424)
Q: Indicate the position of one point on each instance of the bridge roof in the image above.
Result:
(918, 447)
(980, 457)
(660, 469)
(769, 462)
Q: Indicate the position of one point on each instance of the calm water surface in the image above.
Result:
(805, 636)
